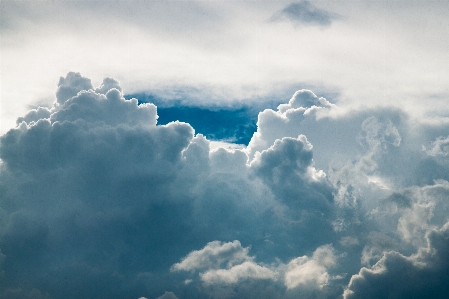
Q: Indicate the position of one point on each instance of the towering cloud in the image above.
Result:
(99, 200)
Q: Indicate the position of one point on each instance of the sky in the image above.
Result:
(224, 149)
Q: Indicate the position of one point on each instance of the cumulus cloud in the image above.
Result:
(34, 115)
(311, 272)
(213, 255)
(301, 275)
(288, 120)
(224, 263)
(420, 275)
(99, 200)
(70, 85)
(287, 167)
(79, 174)
(305, 99)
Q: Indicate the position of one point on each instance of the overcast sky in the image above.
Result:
(224, 149)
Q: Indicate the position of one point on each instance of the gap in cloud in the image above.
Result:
(228, 121)
(235, 124)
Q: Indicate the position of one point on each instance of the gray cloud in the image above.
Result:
(96, 184)
(287, 167)
(70, 85)
(440, 147)
(34, 115)
(97, 168)
(424, 274)
(98, 200)
(304, 13)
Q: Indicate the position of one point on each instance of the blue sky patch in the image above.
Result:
(216, 123)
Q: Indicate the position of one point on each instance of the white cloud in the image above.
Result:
(304, 99)
(427, 208)
(219, 47)
(245, 270)
(213, 255)
(305, 272)
(226, 145)
(287, 120)
(224, 264)
(311, 272)
(378, 135)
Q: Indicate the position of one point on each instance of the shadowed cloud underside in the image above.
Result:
(103, 196)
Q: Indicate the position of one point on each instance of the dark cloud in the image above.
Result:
(34, 115)
(422, 275)
(93, 182)
(304, 13)
(98, 199)
(70, 85)
(287, 168)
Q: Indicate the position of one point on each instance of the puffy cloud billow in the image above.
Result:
(97, 200)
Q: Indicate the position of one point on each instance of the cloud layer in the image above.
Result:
(99, 200)
(360, 53)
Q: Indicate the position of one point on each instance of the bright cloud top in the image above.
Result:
(213, 255)
(367, 53)
(99, 200)
(310, 272)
